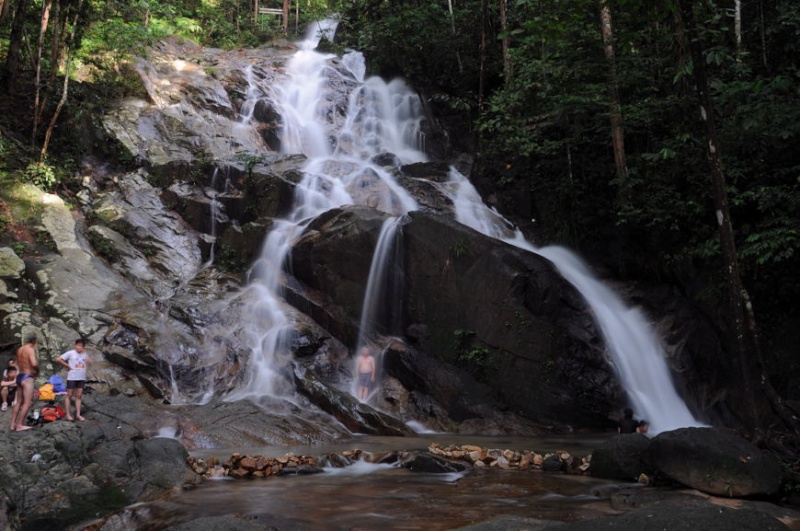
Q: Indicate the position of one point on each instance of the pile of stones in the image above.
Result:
(259, 466)
(519, 459)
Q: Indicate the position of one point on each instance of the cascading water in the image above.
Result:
(383, 119)
(214, 214)
(380, 118)
(635, 350)
(379, 316)
(250, 97)
(385, 283)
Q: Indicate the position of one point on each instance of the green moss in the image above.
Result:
(104, 247)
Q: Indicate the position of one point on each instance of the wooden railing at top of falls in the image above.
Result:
(281, 12)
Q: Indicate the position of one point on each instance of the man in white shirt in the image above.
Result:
(76, 360)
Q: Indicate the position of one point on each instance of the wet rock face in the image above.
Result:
(356, 416)
(502, 314)
(485, 331)
(621, 457)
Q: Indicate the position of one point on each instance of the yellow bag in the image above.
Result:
(47, 393)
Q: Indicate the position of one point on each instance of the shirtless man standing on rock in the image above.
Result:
(28, 370)
(366, 373)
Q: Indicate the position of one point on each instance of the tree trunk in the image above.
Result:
(453, 29)
(508, 71)
(286, 6)
(754, 386)
(737, 22)
(55, 45)
(5, 7)
(762, 32)
(14, 54)
(482, 56)
(61, 102)
(37, 86)
(615, 113)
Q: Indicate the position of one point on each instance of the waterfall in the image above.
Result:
(635, 350)
(379, 313)
(250, 97)
(384, 118)
(381, 117)
(214, 213)
(385, 283)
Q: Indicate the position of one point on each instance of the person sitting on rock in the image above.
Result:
(627, 424)
(8, 387)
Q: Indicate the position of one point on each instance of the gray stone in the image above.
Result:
(433, 464)
(11, 265)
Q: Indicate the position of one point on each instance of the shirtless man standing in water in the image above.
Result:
(28, 370)
(366, 373)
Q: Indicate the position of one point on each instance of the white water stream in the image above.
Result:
(634, 349)
(381, 118)
(384, 118)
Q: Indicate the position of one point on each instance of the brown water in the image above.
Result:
(367, 496)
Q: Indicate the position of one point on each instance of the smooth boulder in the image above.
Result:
(714, 462)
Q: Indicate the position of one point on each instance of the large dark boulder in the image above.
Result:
(620, 457)
(511, 318)
(501, 313)
(715, 462)
(334, 254)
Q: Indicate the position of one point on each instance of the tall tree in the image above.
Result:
(70, 43)
(47, 6)
(508, 70)
(615, 113)
(754, 385)
(5, 8)
(14, 54)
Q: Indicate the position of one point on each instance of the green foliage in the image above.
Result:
(114, 38)
(459, 249)
(250, 160)
(417, 42)
(42, 175)
(5, 149)
(468, 351)
(230, 259)
(104, 247)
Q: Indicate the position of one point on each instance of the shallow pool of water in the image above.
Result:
(368, 496)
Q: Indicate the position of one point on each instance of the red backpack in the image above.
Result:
(50, 413)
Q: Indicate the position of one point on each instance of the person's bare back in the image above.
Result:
(26, 360)
(28, 367)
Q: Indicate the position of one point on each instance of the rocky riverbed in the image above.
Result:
(96, 474)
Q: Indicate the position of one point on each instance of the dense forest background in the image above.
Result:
(657, 137)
